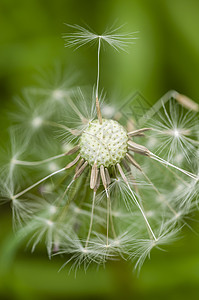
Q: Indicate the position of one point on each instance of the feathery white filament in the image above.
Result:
(91, 220)
(37, 183)
(36, 163)
(166, 163)
(82, 36)
(143, 214)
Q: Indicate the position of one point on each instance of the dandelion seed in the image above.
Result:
(57, 94)
(37, 122)
(52, 209)
(175, 132)
(49, 223)
(82, 36)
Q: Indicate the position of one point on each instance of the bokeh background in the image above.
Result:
(166, 56)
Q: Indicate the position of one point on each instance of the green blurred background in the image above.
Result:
(166, 56)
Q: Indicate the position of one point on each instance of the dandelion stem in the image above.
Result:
(164, 162)
(37, 183)
(68, 202)
(97, 85)
(140, 208)
(108, 217)
(111, 220)
(156, 190)
(66, 190)
(98, 67)
(136, 201)
(91, 220)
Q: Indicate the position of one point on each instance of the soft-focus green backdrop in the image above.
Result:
(165, 57)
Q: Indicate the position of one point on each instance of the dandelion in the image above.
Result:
(104, 194)
(176, 130)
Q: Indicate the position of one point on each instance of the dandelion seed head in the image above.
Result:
(76, 210)
(37, 122)
(160, 198)
(179, 158)
(13, 160)
(14, 201)
(105, 144)
(108, 111)
(149, 213)
(176, 133)
(49, 223)
(53, 167)
(116, 214)
(178, 214)
(52, 209)
(117, 242)
(152, 142)
(46, 188)
(84, 250)
(58, 94)
(67, 146)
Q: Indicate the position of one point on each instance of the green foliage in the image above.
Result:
(165, 57)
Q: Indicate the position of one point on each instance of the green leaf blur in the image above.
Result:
(165, 57)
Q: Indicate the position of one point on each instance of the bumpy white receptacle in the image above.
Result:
(104, 143)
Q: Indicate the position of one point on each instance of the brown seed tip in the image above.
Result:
(98, 181)
(139, 132)
(102, 173)
(81, 170)
(93, 178)
(133, 162)
(108, 178)
(72, 163)
(132, 146)
(187, 102)
(122, 173)
(73, 150)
